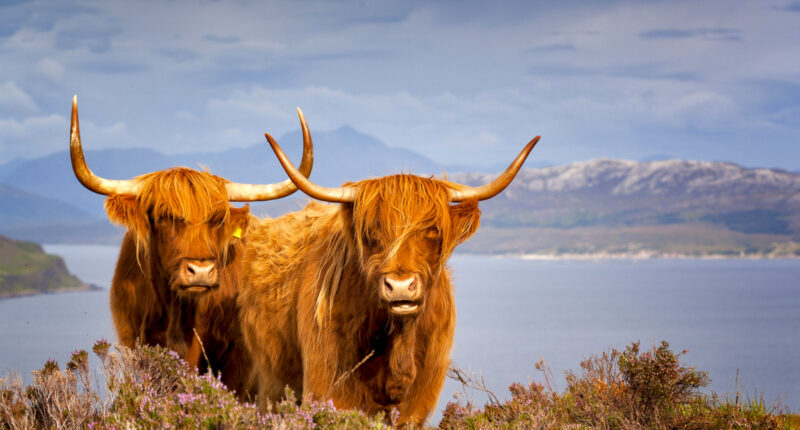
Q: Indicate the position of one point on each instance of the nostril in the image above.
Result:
(413, 285)
(190, 269)
(387, 285)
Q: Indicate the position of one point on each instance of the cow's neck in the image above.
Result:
(385, 353)
(179, 311)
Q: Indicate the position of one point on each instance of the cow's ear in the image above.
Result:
(465, 218)
(125, 210)
(239, 220)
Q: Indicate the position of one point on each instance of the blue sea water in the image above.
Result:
(732, 315)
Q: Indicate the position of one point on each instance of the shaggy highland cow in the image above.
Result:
(179, 267)
(353, 302)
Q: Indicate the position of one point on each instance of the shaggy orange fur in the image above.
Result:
(180, 214)
(311, 310)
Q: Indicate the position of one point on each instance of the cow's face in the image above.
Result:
(405, 230)
(193, 252)
(184, 227)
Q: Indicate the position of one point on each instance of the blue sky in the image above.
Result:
(458, 81)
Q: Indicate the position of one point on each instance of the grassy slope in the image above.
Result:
(26, 269)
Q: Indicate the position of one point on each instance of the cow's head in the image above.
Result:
(405, 227)
(184, 227)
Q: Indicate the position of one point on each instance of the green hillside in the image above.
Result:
(26, 269)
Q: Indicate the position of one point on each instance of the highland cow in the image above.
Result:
(179, 268)
(354, 302)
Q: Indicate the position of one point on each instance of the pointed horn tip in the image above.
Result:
(272, 143)
(75, 99)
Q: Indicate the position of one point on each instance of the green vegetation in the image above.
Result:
(631, 389)
(26, 269)
(150, 387)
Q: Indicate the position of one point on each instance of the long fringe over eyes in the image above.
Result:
(398, 206)
(188, 194)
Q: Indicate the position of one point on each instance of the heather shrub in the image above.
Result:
(632, 389)
(658, 384)
(56, 400)
(150, 387)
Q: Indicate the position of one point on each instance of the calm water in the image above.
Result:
(729, 314)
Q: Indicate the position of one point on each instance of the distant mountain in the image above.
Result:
(602, 204)
(617, 192)
(27, 216)
(21, 208)
(8, 167)
(52, 177)
(593, 206)
(340, 155)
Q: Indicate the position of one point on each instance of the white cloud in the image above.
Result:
(50, 69)
(185, 115)
(443, 126)
(14, 100)
(37, 135)
(444, 79)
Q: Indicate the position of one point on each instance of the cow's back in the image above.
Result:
(278, 252)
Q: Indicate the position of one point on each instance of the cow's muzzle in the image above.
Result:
(198, 276)
(403, 294)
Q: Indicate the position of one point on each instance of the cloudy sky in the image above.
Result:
(458, 81)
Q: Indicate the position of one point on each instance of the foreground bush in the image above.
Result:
(617, 390)
(149, 387)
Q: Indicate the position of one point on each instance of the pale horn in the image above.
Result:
(236, 191)
(340, 194)
(248, 192)
(491, 189)
(85, 176)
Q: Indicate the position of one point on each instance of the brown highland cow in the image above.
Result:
(354, 302)
(179, 265)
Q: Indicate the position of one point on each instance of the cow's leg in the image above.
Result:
(124, 311)
(402, 367)
(176, 339)
(434, 360)
(319, 376)
(271, 389)
(193, 353)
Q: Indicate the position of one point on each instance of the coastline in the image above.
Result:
(82, 288)
(641, 255)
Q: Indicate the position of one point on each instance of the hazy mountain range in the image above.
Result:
(597, 206)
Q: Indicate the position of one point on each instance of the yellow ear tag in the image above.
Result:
(237, 233)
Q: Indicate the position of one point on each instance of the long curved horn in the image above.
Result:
(83, 173)
(499, 184)
(256, 192)
(340, 195)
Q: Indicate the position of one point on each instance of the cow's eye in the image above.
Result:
(215, 221)
(171, 221)
(370, 241)
(432, 233)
